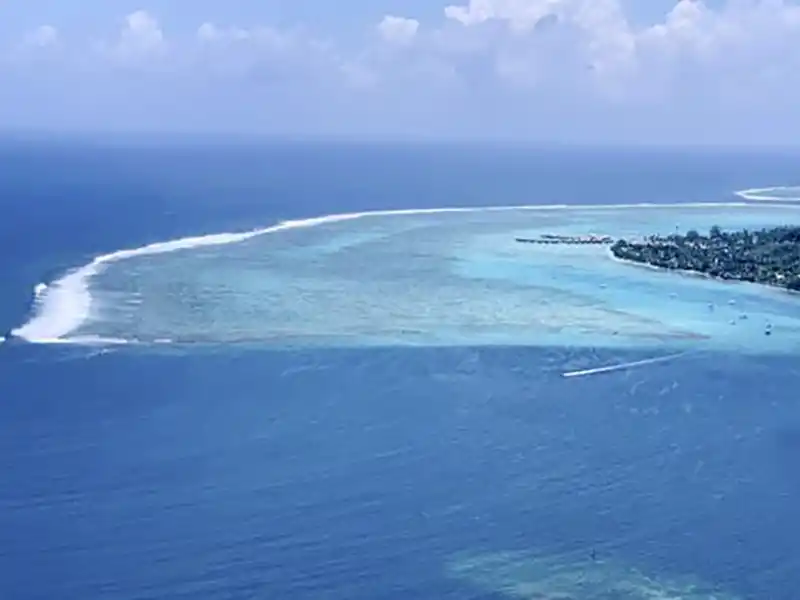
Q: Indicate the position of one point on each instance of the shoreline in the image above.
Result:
(700, 275)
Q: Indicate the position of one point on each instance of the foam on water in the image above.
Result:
(65, 306)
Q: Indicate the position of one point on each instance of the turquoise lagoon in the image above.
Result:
(433, 277)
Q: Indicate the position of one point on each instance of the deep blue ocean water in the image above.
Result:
(240, 472)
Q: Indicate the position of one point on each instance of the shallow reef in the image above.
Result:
(531, 576)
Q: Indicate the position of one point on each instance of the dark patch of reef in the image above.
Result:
(767, 256)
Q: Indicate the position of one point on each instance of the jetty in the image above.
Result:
(567, 239)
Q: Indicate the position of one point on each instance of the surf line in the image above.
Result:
(624, 366)
(767, 194)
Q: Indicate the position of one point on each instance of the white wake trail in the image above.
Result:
(624, 366)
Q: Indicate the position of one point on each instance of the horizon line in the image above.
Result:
(266, 139)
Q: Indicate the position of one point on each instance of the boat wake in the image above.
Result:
(624, 366)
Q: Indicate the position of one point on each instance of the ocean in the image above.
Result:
(283, 435)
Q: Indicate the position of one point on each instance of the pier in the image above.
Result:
(567, 239)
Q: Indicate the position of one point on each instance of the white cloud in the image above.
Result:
(44, 36)
(210, 33)
(586, 54)
(140, 39)
(398, 30)
(260, 39)
(556, 45)
(599, 26)
(142, 32)
(520, 14)
(244, 49)
(546, 42)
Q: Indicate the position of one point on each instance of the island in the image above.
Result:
(767, 256)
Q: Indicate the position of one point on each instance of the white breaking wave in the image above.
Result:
(772, 194)
(63, 306)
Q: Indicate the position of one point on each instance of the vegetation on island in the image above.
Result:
(767, 256)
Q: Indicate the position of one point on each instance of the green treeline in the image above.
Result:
(766, 256)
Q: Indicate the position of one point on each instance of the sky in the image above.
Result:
(643, 71)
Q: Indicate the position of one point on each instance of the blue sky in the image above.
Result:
(538, 70)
